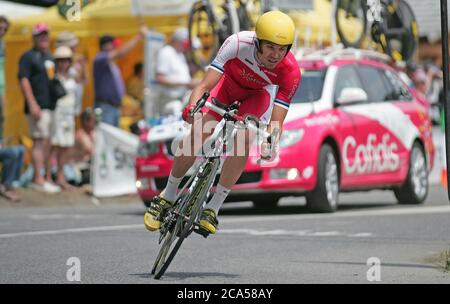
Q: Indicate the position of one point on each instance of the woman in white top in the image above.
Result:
(63, 127)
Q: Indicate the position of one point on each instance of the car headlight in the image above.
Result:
(291, 137)
(289, 174)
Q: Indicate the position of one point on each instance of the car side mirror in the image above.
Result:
(352, 95)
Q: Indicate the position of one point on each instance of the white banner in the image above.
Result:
(112, 171)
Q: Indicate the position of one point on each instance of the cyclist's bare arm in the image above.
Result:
(208, 82)
(277, 119)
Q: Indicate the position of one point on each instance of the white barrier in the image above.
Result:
(112, 169)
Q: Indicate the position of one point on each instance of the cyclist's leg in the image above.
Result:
(184, 159)
(187, 152)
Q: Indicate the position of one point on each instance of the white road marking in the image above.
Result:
(73, 230)
(56, 216)
(361, 234)
(280, 232)
(326, 233)
(382, 212)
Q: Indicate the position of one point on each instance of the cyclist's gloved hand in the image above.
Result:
(187, 115)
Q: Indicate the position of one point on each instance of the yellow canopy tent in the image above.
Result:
(100, 17)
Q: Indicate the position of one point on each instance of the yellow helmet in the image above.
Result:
(276, 27)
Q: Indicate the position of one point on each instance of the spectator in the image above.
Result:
(84, 137)
(135, 84)
(420, 80)
(82, 151)
(434, 75)
(11, 159)
(108, 81)
(36, 68)
(4, 24)
(172, 69)
(63, 127)
(78, 69)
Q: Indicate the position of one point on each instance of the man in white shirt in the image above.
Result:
(172, 69)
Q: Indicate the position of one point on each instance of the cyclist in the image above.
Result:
(245, 65)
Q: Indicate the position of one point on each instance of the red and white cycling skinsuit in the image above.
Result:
(246, 80)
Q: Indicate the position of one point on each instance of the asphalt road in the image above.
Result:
(288, 245)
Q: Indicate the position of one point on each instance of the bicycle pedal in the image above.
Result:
(202, 232)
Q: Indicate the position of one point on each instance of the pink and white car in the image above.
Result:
(353, 125)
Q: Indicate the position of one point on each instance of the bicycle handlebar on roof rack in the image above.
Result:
(330, 54)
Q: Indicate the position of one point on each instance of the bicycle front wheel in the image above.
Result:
(190, 207)
(170, 239)
(351, 22)
(204, 36)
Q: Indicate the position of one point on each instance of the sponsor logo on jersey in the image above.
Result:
(250, 78)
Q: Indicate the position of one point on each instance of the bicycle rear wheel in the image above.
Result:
(351, 22)
(204, 34)
(190, 207)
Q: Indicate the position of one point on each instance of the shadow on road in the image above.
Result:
(179, 276)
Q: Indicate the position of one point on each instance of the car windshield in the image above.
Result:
(310, 86)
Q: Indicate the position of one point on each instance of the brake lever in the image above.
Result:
(200, 103)
(234, 106)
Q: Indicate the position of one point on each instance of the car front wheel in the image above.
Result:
(324, 197)
(415, 188)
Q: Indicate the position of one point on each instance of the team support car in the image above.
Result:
(353, 125)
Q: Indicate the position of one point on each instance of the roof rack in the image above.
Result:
(339, 52)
